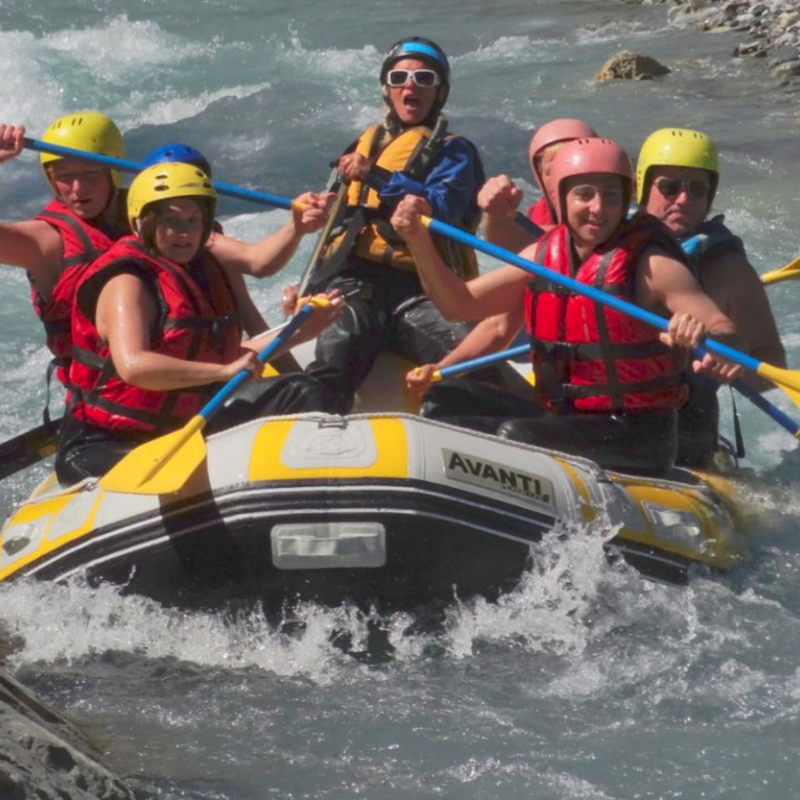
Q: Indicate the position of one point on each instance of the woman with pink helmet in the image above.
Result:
(607, 386)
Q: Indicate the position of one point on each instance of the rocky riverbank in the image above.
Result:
(770, 28)
(44, 756)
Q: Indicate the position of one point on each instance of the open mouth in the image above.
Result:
(181, 251)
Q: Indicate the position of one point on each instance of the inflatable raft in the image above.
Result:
(385, 510)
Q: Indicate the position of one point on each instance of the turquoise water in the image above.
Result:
(587, 682)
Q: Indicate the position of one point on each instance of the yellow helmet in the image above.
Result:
(166, 181)
(86, 130)
(676, 147)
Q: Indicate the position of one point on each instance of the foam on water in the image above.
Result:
(162, 107)
(30, 90)
(119, 48)
(564, 609)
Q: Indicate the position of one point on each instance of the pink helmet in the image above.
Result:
(557, 130)
(585, 157)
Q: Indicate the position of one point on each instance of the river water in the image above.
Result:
(587, 682)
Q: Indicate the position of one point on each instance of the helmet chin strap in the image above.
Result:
(112, 194)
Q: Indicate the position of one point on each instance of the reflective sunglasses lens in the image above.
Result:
(668, 187)
(698, 189)
(397, 77)
(425, 77)
(672, 187)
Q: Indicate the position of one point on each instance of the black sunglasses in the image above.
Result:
(672, 187)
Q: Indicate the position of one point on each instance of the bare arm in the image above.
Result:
(323, 315)
(736, 288)
(270, 254)
(125, 313)
(489, 336)
(662, 283)
(499, 199)
(34, 246)
(485, 296)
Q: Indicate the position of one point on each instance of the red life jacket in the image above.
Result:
(591, 357)
(197, 321)
(540, 213)
(82, 244)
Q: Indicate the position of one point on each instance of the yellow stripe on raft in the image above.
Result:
(41, 516)
(391, 460)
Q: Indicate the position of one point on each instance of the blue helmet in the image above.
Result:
(180, 153)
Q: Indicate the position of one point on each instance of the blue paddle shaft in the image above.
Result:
(709, 345)
(215, 403)
(264, 198)
(480, 361)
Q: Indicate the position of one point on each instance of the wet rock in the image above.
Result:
(628, 65)
(754, 49)
(773, 24)
(43, 755)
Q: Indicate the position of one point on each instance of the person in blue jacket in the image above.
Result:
(410, 152)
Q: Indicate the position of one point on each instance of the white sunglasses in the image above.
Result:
(422, 77)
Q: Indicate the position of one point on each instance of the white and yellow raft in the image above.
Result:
(385, 510)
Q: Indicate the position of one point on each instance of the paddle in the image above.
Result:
(28, 448)
(479, 361)
(163, 465)
(335, 182)
(121, 164)
(788, 380)
(527, 224)
(789, 272)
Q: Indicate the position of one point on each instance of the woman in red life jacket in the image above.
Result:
(607, 386)
(498, 200)
(156, 327)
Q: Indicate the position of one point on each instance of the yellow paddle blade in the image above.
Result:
(790, 271)
(161, 466)
(788, 380)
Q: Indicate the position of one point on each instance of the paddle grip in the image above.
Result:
(215, 403)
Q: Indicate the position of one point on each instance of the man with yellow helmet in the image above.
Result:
(82, 221)
(677, 176)
(155, 326)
